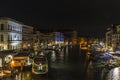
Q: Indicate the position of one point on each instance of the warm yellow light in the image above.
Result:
(24, 46)
(12, 62)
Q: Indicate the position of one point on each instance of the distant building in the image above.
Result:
(15, 35)
(113, 37)
(74, 37)
(71, 37)
(58, 37)
(36, 40)
(52, 38)
(83, 43)
(10, 34)
(27, 36)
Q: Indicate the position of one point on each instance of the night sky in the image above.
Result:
(88, 17)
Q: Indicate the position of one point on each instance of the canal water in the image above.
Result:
(69, 63)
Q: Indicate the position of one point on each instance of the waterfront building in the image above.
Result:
(10, 34)
(15, 35)
(74, 37)
(58, 38)
(113, 37)
(36, 40)
(27, 36)
(71, 37)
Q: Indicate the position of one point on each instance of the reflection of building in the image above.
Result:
(113, 37)
(10, 34)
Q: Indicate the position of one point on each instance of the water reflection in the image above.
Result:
(114, 74)
(89, 72)
(53, 56)
(62, 56)
(88, 55)
(58, 56)
(64, 64)
(29, 76)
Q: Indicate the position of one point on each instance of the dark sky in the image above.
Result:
(89, 17)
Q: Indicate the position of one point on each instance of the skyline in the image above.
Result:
(88, 17)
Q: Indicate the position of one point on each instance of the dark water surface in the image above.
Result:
(68, 64)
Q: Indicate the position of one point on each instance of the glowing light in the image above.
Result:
(14, 43)
(28, 75)
(12, 62)
(59, 38)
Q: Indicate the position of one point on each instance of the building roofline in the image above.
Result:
(27, 26)
(7, 18)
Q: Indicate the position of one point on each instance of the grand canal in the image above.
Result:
(69, 63)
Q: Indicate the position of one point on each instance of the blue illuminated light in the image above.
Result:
(59, 39)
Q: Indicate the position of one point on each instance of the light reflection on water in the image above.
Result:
(58, 56)
(53, 56)
(114, 74)
(29, 76)
(23, 76)
(62, 64)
